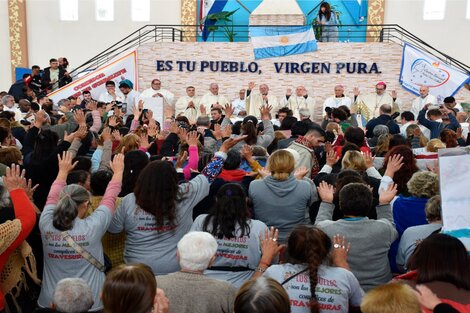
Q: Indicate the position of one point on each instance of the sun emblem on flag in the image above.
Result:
(284, 40)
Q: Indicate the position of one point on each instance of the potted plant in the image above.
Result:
(221, 20)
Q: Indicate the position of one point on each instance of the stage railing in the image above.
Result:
(346, 33)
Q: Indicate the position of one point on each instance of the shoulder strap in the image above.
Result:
(84, 253)
(293, 276)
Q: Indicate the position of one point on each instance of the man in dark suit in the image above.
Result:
(385, 118)
(55, 76)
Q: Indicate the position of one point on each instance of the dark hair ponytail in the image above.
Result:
(67, 208)
(309, 245)
(249, 129)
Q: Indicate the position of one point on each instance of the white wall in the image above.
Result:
(5, 73)
(78, 40)
(449, 35)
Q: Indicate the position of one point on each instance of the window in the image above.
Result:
(434, 9)
(141, 10)
(68, 10)
(104, 10)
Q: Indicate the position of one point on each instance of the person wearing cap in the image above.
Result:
(130, 96)
(338, 99)
(188, 105)
(156, 90)
(368, 105)
(111, 94)
(255, 100)
(424, 98)
(213, 98)
(301, 100)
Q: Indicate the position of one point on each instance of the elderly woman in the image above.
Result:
(412, 235)
(72, 243)
(262, 295)
(282, 199)
(196, 252)
(237, 235)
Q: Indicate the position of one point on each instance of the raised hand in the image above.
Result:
(229, 143)
(112, 121)
(228, 110)
(251, 85)
(79, 117)
(69, 137)
(226, 131)
(264, 112)
(65, 164)
(264, 172)
(117, 135)
(117, 166)
(356, 91)
(247, 152)
(152, 129)
(326, 192)
(30, 189)
(394, 94)
(395, 162)
(339, 254)
(192, 138)
(217, 132)
(182, 158)
(81, 132)
(137, 112)
(203, 110)
(331, 158)
(386, 196)
(289, 92)
(270, 248)
(368, 159)
(14, 178)
(301, 172)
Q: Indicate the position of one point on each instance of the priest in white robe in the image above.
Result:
(423, 99)
(368, 105)
(301, 100)
(255, 100)
(213, 98)
(156, 90)
(188, 105)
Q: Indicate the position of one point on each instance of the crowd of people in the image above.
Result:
(237, 206)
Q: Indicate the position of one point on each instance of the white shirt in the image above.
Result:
(372, 104)
(209, 99)
(255, 101)
(150, 92)
(424, 130)
(131, 101)
(181, 106)
(335, 102)
(296, 103)
(418, 104)
(238, 105)
(107, 98)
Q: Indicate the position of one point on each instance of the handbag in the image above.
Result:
(106, 267)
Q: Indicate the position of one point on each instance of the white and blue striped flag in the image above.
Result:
(280, 41)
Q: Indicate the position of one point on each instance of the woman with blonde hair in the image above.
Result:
(415, 137)
(129, 142)
(282, 199)
(391, 298)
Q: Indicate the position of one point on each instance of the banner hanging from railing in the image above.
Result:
(122, 68)
(421, 69)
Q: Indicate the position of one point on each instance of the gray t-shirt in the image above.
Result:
(336, 289)
(62, 261)
(149, 243)
(411, 236)
(235, 252)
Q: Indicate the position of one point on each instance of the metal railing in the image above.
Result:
(172, 33)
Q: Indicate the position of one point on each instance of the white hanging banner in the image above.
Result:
(421, 69)
(124, 67)
(454, 179)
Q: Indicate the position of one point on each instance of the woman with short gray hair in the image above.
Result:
(71, 241)
(72, 295)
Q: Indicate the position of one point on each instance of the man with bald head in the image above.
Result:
(300, 100)
(213, 99)
(255, 100)
(424, 98)
(384, 118)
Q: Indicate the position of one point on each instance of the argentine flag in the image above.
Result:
(276, 41)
